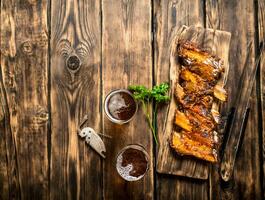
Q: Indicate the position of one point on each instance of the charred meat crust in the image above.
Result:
(200, 61)
(191, 148)
(200, 55)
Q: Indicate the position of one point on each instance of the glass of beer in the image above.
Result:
(132, 162)
(120, 106)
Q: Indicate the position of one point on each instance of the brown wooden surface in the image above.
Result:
(75, 92)
(24, 70)
(242, 27)
(128, 34)
(118, 42)
(261, 92)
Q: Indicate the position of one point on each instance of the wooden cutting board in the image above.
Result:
(216, 42)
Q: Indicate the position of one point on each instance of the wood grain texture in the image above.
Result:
(75, 92)
(10, 187)
(227, 15)
(261, 34)
(216, 42)
(4, 186)
(24, 69)
(170, 14)
(181, 188)
(126, 51)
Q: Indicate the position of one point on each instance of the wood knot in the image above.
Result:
(73, 63)
(27, 47)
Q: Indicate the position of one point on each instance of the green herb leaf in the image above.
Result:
(158, 95)
(161, 89)
(140, 92)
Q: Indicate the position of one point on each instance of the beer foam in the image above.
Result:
(124, 172)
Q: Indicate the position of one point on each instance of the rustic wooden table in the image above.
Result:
(59, 59)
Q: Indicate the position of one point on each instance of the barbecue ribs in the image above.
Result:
(196, 118)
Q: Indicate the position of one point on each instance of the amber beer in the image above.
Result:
(132, 163)
(120, 106)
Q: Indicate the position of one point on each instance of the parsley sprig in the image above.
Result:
(147, 97)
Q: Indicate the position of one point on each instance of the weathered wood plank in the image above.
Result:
(4, 186)
(24, 69)
(181, 188)
(261, 33)
(237, 17)
(75, 92)
(9, 149)
(8, 152)
(168, 15)
(127, 59)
